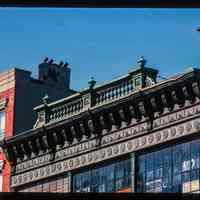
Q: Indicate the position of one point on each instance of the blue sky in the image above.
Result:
(103, 43)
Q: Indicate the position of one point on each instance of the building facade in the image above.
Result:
(133, 134)
(19, 94)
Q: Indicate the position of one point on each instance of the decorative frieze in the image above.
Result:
(124, 134)
(164, 135)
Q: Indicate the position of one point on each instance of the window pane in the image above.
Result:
(195, 180)
(108, 178)
(149, 186)
(2, 124)
(149, 167)
(186, 182)
(185, 157)
(166, 184)
(195, 149)
(177, 150)
(158, 170)
(175, 169)
(177, 183)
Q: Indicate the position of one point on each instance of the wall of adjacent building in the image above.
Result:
(29, 94)
(23, 93)
(7, 91)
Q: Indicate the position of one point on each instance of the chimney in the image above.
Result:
(54, 74)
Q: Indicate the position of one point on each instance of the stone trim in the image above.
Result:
(115, 137)
(174, 132)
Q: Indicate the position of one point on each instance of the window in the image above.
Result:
(2, 124)
(1, 175)
(108, 178)
(174, 169)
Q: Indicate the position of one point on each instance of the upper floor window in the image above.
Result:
(2, 124)
(108, 178)
(174, 169)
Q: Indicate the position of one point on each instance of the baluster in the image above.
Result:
(113, 94)
(131, 85)
(128, 87)
(116, 92)
(57, 113)
(71, 109)
(109, 94)
(81, 104)
(97, 99)
(78, 106)
(105, 96)
(68, 110)
(124, 89)
(101, 97)
(120, 90)
(65, 110)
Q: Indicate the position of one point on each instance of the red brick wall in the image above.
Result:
(9, 94)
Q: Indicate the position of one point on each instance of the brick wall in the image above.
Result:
(9, 115)
(58, 184)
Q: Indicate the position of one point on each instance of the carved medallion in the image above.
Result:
(197, 125)
(173, 131)
(197, 110)
(48, 170)
(109, 151)
(31, 175)
(102, 153)
(150, 139)
(158, 137)
(36, 173)
(136, 143)
(188, 127)
(53, 168)
(20, 178)
(165, 134)
(122, 147)
(24, 178)
(95, 155)
(15, 180)
(71, 163)
(65, 165)
(180, 130)
(143, 141)
(129, 145)
(59, 166)
(89, 157)
(83, 160)
(42, 172)
(116, 149)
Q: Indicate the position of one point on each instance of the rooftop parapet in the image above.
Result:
(97, 95)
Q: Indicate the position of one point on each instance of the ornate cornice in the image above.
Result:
(147, 140)
(96, 120)
(125, 133)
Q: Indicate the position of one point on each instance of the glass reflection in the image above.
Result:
(109, 178)
(174, 169)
